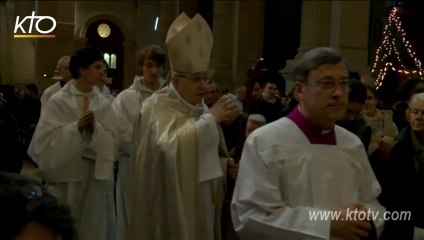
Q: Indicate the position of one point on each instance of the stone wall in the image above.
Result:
(237, 29)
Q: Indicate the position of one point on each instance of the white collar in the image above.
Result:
(138, 84)
(71, 88)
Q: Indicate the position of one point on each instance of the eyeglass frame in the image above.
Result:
(328, 84)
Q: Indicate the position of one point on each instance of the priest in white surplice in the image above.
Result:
(65, 75)
(178, 186)
(150, 62)
(74, 147)
(304, 163)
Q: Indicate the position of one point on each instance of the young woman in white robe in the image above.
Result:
(74, 147)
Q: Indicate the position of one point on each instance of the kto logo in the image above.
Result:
(41, 33)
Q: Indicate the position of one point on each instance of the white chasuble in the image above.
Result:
(176, 191)
(127, 107)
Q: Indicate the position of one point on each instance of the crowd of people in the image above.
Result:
(178, 158)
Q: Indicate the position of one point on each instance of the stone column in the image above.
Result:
(48, 51)
(339, 24)
(65, 18)
(335, 24)
(147, 12)
(236, 23)
(238, 30)
(315, 32)
(223, 59)
(65, 12)
(316, 22)
(6, 40)
(168, 11)
(353, 34)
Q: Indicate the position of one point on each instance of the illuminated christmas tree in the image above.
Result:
(395, 52)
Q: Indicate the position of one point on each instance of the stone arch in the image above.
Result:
(129, 39)
(112, 18)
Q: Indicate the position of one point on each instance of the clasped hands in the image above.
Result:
(225, 109)
(86, 121)
(348, 228)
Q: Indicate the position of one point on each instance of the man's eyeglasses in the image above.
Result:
(416, 111)
(330, 85)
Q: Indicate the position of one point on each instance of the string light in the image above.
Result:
(389, 48)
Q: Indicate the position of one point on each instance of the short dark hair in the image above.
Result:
(355, 75)
(410, 88)
(373, 90)
(32, 87)
(21, 204)
(83, 58)
(315, 58)
(152, 52)
(210, 81)
(268, 81)
(357, 91)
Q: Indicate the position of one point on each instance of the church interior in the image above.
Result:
(243, 31)
(380, 40)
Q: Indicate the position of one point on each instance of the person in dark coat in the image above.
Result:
(268, 106)
(403, 182)
(354, 120)
(10, 159)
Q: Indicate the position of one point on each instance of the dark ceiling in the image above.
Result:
(411, 13)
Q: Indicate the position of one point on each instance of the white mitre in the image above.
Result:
(189, 43)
